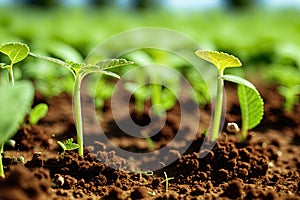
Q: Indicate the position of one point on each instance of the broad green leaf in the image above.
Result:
(15, 51)
(252, 106)
(15, 103)
(37, 113)
(251, 103)
(219, 59)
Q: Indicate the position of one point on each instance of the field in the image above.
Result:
(150, 133)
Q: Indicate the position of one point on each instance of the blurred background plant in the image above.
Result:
(263, 34)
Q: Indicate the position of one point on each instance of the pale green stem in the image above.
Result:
(244, 131)
(156, 94)
(11, 75)
(218, 107)
(77, 111)
(1, 165)
(140, 98)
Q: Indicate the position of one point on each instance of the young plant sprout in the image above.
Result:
(68, 145)
(291, 96)
(37, 113)
(16, 52)
(79, 71)
(14, 105)
(251, 103)
(167, 181)
(153, 81)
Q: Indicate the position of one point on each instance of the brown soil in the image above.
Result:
(267, 167)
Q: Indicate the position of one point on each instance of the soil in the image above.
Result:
(266, 167)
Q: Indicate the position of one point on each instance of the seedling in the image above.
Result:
(16, 52)
(14, 105)
(152, 81)
(250, 100)
(37, 113)
(68, 145)
(79, 71)
(167, 181)
(291, 95)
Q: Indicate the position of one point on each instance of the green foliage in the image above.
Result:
(219, 59)
(250, 100)
(15, 51)
(37, 113)
(291, 95)
(251, 103)
(252, 107)
(68, 145)
(15, 103)
(79, 71)
(155, 82)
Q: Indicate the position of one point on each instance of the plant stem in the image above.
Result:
(11, 75)
(156, 97)
(218, 107)
(1, 165)
(77, 110)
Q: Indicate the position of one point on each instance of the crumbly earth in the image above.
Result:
(266, 167)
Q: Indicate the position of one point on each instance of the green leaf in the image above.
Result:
(55, 60)
(108, 64)
(63, 51)
(251, 103)
(15, 51)
(62, 145)
(70, 145)
(219, 59)
(75, 65)
(104, 65)
(15, 103)
(37, 113)
(252, 106)
(239, 80)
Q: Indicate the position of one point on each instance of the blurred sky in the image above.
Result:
(189, 4)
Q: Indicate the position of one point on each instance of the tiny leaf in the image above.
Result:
(37, 113)
(62, 145)
(70, 145)
(15, 103)
(15, 51)
(219, 59)
(75, 65)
